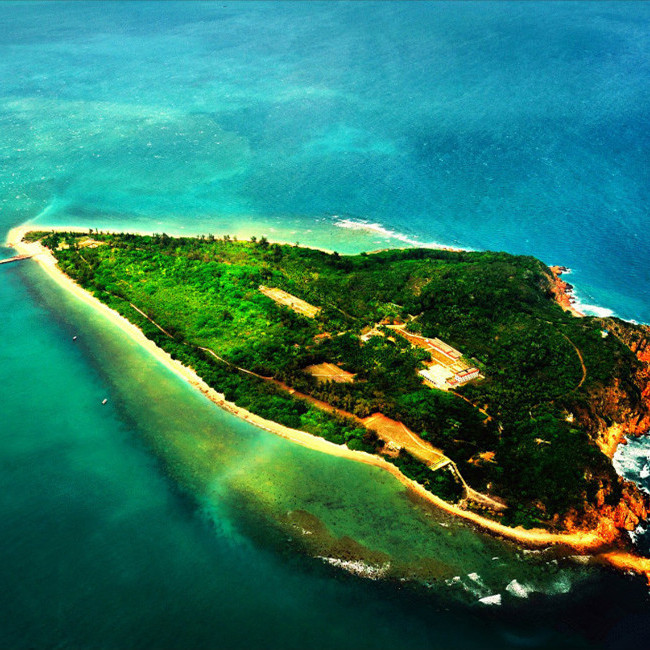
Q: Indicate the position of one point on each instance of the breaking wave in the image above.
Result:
(631, 461)
(358, 568)
(594, 310)
(379, 229)
(517, 589)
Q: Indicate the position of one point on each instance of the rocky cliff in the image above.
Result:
(561, 290)
(613, 413)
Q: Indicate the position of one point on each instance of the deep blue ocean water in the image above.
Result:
(351, 126)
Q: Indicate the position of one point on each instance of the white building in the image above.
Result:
(436, 376)
(463, 376)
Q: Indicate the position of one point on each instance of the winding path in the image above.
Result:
(152, 321)
(469, 401)
(591, 541)
(582, 361)
(391, 431)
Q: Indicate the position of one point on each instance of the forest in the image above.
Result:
(511, 433)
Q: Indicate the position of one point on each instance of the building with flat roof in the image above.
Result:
(436, 376)
(463, 376)
(445, 349)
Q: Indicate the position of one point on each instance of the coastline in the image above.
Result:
(594, 543)
(19, 232)
(377, 228)
(563, 291)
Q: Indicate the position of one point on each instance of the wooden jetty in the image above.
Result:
(16, 258)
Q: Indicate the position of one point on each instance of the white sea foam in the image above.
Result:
(517, 589)
(378, 229)
(561, 586)
(632, 461)
(594, 310)
(586, 308)
(359, 568)
(472, 584)
(639, 531)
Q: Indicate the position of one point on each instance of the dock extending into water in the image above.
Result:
(16, 258)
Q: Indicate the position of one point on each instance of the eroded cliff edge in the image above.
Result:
(553, 388)
(609, 415)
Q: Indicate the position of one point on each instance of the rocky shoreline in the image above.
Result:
(611, 417)
(599, 530)
(563, 291)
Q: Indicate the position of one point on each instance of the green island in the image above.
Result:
(461, 368)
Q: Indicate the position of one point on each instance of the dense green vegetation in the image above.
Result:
(442, 483)
(496, 308)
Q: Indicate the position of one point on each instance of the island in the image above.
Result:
(469, 375)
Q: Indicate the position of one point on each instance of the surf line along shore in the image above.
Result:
(586, 542)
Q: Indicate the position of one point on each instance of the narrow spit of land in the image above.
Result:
(378, 363)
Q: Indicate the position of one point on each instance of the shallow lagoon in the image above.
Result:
(160, 502)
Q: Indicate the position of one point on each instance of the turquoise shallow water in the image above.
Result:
(158, 521)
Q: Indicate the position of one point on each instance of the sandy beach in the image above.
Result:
(584, 542)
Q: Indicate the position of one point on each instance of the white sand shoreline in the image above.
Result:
(582, 541)
(22, 230)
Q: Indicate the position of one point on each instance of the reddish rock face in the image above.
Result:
(611, 415)
(638, 340)
(611, 521)
(630, 510)
(562, 291)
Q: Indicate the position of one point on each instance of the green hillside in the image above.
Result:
(494, 307)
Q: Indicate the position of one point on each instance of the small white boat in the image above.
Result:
(74, 338)
(104, 400)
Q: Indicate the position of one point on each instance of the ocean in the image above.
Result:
(157, 520)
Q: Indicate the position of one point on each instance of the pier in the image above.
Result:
(16, 258)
